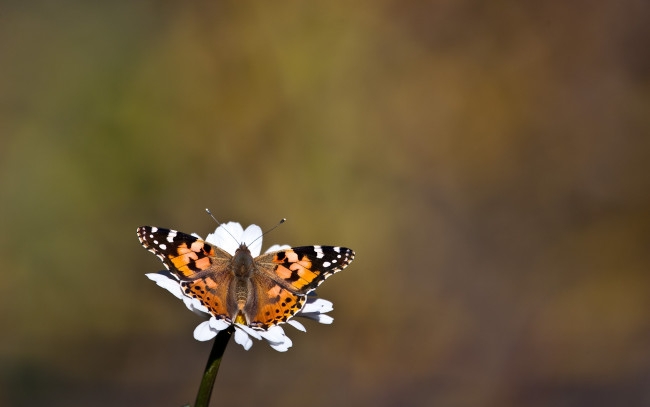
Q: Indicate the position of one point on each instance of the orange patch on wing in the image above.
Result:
(182, 249)
(274, 292)
(283, 272)
(203, 263)
(210, 283)
(307, 274)
(296, 267)
(182, 260)
(197, 246)
(291, 256)
(305, 263)
(299, 283)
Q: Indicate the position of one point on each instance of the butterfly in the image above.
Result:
(258, 292)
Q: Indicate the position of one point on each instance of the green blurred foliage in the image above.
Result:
(487, 161)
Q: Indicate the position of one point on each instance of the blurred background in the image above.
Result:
(487, 161)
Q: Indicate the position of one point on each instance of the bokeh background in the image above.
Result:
(488, 161)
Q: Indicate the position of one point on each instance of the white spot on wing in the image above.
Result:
(163, 246)
(171, 236)
(327, 264)
(154, 229)
(319, 252)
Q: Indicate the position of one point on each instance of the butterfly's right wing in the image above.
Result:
(302, 269)
(284, 278)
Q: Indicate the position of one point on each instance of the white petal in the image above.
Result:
(195, 305)
(277, 247)
(318, 317)
(277, 339)
(324, 319)
(218, 324)
(250, 234)
(243, 339)
(317, 305)
(164, 280)
(297, 325)
(250, 331)
(283, 346)
(170, 284)
(204, 332)
(274, 334)
(221, 238)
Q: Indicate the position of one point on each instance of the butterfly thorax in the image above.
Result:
(242, 263)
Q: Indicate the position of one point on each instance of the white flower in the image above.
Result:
(314, 308)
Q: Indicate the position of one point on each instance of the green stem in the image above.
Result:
(212, 367)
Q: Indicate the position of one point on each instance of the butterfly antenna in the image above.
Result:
(260, 236)
(220, 224)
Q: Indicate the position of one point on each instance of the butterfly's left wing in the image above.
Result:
(302, 269)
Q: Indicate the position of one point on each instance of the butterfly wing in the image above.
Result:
(212, 292)
(283, 278)
(272, 304)
(202, 268)
(302, 269)
(184, 255)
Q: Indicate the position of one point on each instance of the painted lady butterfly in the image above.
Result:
(259, 292)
